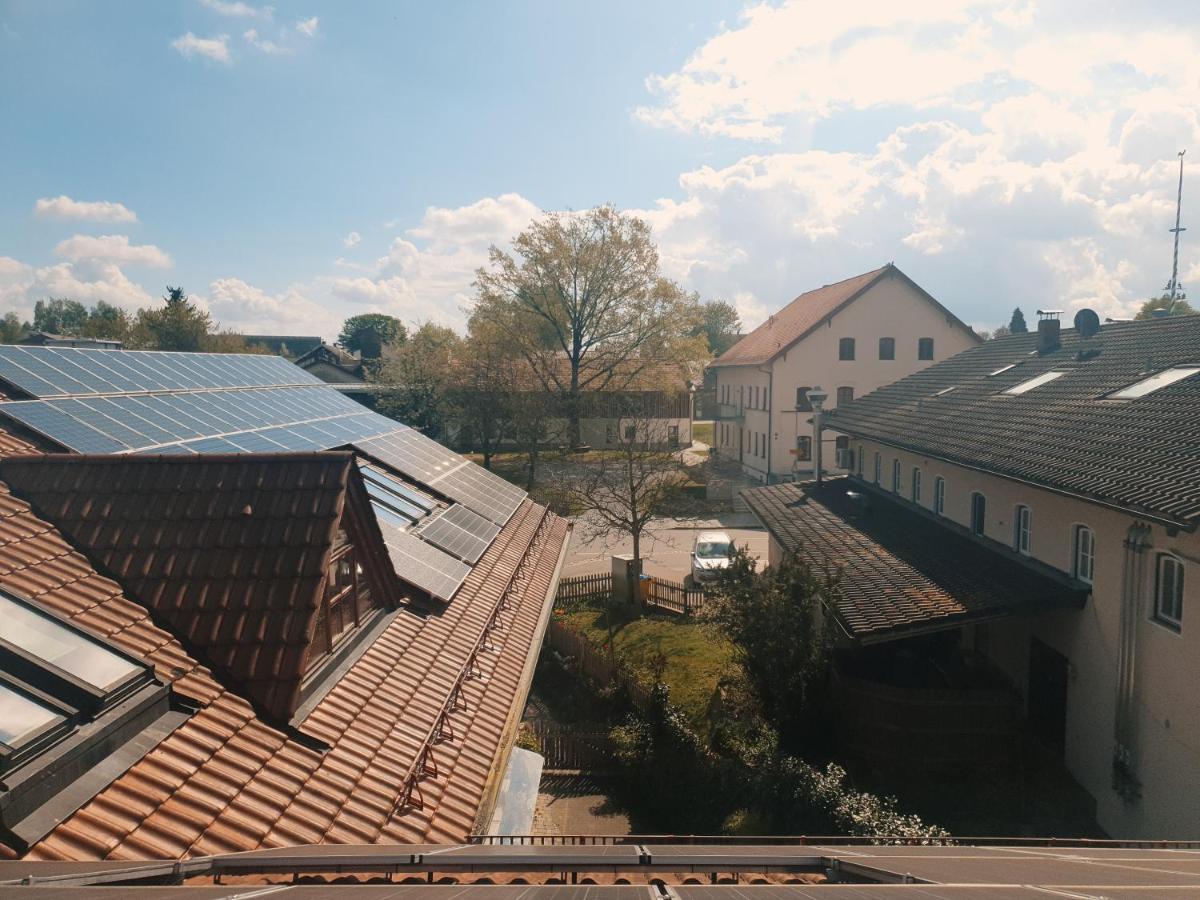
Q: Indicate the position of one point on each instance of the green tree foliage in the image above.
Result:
(720, 325)
(776, 622)
(1016, 325)
(178, 325)
(582, 299)
(1177, 308)
(422, 370)
(107, 322)
(12, 329)
(58, 315)
(370, 333)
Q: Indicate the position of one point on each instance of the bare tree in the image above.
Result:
(626, 488)
(584, 302)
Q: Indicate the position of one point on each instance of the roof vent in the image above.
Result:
(1087, 325)
(1048, 330)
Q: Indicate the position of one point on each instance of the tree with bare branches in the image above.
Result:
(583, 301)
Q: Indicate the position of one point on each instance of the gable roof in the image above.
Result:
(230, 552)
(901, 572)
(331, 354)
(227, 780)
(804, 314)
(1141, 456)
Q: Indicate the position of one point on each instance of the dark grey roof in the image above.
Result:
(1141, 455)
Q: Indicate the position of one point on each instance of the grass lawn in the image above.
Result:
(703, 432)
(695, 657)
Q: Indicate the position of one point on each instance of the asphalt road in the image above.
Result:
(666, 546)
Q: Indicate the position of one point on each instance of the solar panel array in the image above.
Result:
(461, 532)
(422, 564)
(72, 372)
(144, 402)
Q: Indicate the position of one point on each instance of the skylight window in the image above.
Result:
(945, 390)
(1154, 382)
(22, 717)
(1002, 369)
(1036, 381)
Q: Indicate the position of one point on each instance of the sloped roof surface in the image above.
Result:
(795, 320)
(900, 570)
(228, 551)
(1142, 455)
(226, 781)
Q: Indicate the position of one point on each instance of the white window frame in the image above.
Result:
(1171, 617)
(1023, 529)
(916, 484)
(982, 530)
(858, 462)
(896, 468)
(878, 467)
(939, 495)
(1081, 571)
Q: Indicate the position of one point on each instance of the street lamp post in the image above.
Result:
(817, 398)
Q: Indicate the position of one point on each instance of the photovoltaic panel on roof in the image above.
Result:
(461, 532)
(484, 492)
(413, 454)
(422, 564)
(45, 372)
(388, 483)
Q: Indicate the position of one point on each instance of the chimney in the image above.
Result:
(1048, 330)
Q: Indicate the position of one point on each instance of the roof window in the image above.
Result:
(1154, 382)
(945, 390)
(1036, 381)
(1002, 370)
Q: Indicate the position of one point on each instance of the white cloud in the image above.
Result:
(87, 281)
(351, 239)
(237, 9)
(308, 27)
(114, 248)
(63, 207)
(214, 48)
(271, 48)
(251, 310)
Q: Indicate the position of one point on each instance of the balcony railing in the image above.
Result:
(727, 411)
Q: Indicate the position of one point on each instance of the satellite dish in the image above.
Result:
(1087, 323)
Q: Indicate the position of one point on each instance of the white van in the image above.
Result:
(710, 554)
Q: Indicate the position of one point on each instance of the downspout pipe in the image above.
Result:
(1133, 572)
(770, 373)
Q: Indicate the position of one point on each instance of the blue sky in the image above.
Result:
(294, 164)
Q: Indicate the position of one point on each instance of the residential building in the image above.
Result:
(1032, 504)
(47, 339)
(240, 611)
(293, 346)
(333, 364)
(848, 338)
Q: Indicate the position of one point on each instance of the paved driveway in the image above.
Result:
(666, 546)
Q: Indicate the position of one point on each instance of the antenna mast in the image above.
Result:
(1173, 292)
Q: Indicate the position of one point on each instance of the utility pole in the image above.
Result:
(1173, 285)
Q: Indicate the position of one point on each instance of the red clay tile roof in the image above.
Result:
(227, 781)
(901, 571)
(804, 314)
(228, 552)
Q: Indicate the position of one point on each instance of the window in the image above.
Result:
(764, 446)
(939, 495)
(887, 348)
(1168, 593)
(1085, 553)
(631, 432)
(841, 442)
(1036, 381)
(978, 513)
(1154, 382)
(844, 395)
(754, 396)
(859, 460)
(347, 604)
(803, 404)
(895, 476)
(916, 484)
(1022, 529)
(1002, 370)
(878, 468)
(846, 349)
(945, 391)
(803, 448)
(673, 436)
(610, 434)
(924, 348)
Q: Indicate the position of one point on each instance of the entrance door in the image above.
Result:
(1048, 675)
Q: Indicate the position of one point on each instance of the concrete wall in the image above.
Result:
(1167, 662)
(892, 308)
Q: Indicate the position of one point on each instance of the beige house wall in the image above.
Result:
(890, 308)
(1167, 663)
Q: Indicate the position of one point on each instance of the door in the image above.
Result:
(1048, 676)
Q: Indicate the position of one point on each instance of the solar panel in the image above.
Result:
(412, 453)
(422, 564)
(460, 532)
(478, 489)
(381, 497)
(387, 482)
(45, 372)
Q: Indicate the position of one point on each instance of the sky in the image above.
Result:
(294, 164)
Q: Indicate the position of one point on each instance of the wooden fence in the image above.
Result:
(584, 587)
(574, 748)
(594, 664)
(657, 592)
